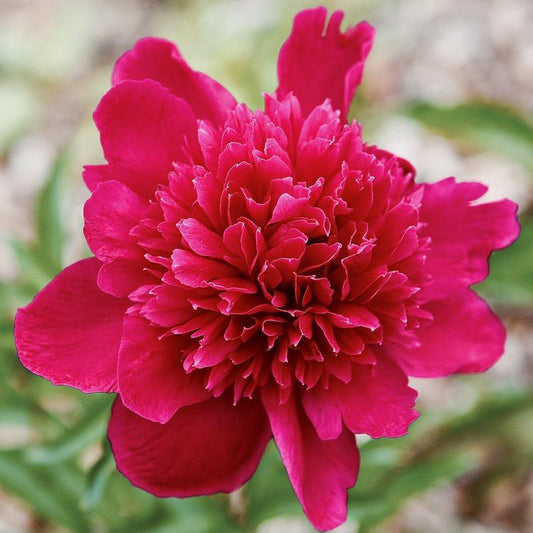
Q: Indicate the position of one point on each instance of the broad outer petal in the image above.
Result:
(204, 448)
(463, 233)
(143, 129)
(465, 337)
(377, 401)
(70, 333)
(316, 62)
(320, 471)
(161, 61)
(151, 379)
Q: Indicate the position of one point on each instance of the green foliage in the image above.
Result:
(510, 281)
(480, 126)
(49, 226)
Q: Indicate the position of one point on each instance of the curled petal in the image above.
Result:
(144, 129)
(161, 61)
(204, 448)
(318, 62)
(70, 333)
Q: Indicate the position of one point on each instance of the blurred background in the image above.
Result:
(449, 86)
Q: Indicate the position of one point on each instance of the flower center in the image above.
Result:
(288, 255)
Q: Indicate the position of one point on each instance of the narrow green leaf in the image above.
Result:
(51, 492)
(49, 227)
(404, 483)
(269, 492)
(33, 265)
(97, 478)
(87, 431)
(481, 126)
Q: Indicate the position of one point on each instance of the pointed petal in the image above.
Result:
(316, 62)
(320, 471)
(465, 337)
(161, 61)
(204, 448)
(70, 333)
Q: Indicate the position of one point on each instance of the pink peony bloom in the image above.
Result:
(262, 274)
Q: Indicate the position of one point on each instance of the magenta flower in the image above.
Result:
(262, 273)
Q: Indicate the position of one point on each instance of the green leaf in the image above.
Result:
(485, 417)
(35, 270)
(88, 430)
(269, 492)
(400, 484)
(51, 492)
(480, 126)
(510, 280)
(49, 227)
(13, 296)
(97, 478)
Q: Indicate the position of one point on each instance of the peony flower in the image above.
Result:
(262, 274)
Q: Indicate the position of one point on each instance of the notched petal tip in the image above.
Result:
(340, 58)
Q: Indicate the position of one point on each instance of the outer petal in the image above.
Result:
(151, 379)
(110, 213)
(320, 471)
(204, 448)
(143, 129)
(463, 234)
(316, 63)
(465, 337)
(377, 401)
(161, 61)
(70, 333)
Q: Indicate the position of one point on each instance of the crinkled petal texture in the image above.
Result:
(262, 273)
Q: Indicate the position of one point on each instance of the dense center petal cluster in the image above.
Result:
(288, 251)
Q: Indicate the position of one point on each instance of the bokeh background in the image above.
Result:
(449, 86)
